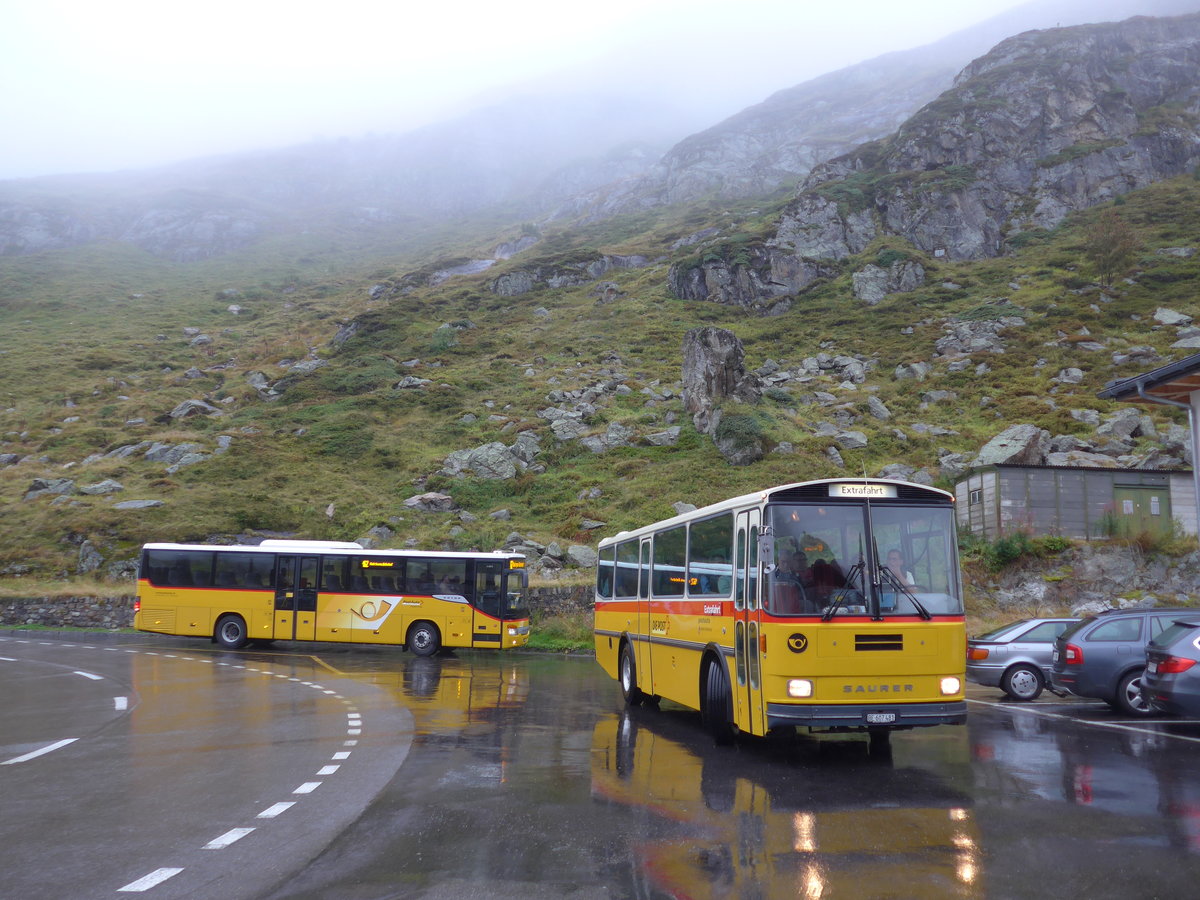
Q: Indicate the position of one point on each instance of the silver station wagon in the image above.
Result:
(1016, 657)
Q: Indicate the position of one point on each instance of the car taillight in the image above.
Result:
(1072, 655)
(1173, 665)
(137, 606)
(977, 653)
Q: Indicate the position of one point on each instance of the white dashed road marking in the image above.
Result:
(158, 876)
(34, 754)
(229, 837)
(272, 811)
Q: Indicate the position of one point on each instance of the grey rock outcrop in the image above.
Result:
(523, 280)
(493, 460)
(1046, 123)
(714, 370)
(872, 283)
(1018, 445)
(756, 278)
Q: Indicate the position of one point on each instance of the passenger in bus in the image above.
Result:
(827, 577)
(895, 564)
(792, 580)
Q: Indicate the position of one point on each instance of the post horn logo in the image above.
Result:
(797, 643)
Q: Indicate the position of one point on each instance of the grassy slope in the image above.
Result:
(84, 326)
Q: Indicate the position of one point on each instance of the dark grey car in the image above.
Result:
(1171, 682)
(1103, 656)
(1015, 658)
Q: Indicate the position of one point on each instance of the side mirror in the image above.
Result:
(766, 550)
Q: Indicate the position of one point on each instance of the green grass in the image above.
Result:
(84, 326)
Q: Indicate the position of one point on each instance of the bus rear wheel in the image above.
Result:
(423, 639)
(628, 677)
(717, 703)
(230, 632)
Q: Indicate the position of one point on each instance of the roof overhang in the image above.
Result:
(1173, 383)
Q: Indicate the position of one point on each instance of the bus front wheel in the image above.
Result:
(231, 632)
(628, 676)
(717, 703)
(423, 639)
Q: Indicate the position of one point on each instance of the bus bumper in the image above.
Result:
(863, 715)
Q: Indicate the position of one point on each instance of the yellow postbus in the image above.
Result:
(826, 605)
(333, 591)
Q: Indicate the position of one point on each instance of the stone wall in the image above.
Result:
(117, 612)
(80, 612)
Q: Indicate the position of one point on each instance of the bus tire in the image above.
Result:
(230, 632)
(717, 703)
(627, 675)
(424, 639)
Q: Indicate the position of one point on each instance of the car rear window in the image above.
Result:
(997, 633)
(1046, 631)
(1073, 630)
(1173, 633)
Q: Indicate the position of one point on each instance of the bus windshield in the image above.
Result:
(863, 559)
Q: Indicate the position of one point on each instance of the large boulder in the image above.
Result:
(714, 370)
(1017, 445)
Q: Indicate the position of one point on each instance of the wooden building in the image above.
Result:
(1074, 501)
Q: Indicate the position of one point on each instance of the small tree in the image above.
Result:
(1111, 244)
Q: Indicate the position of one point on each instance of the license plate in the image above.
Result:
(880, 718)
(1152, 668)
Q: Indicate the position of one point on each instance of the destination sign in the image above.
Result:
(862, 491)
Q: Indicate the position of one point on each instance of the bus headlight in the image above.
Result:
(951, 685)
(800, 688)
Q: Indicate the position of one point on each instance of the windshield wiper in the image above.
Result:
(891, 576)
(842, 592)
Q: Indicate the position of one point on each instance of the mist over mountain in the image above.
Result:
(775, 143)
(526, 156)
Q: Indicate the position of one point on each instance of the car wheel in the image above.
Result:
(1129, 698)
(1023, 682)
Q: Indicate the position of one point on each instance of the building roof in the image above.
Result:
(1174, 382)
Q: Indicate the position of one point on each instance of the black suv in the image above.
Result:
(1103, 656)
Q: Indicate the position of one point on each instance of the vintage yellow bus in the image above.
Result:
(826, 605)
(333, 591)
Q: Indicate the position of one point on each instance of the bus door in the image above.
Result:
(749, 709)
(296, 597)
(489, 604)
(645, 673)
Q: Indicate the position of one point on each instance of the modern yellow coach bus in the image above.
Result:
(827, 605)
(333, 591)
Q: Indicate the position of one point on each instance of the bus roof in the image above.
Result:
(334, 548)
(760, 497)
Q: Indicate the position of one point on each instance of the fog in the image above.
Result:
(134, 83)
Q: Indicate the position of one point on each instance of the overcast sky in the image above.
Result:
(96, 85)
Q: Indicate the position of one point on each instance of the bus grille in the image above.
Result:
(879, 642)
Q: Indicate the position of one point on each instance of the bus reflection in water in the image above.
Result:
(755, 829)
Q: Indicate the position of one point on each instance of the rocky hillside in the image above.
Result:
(778, 142)
(568, 381)
(1046, 123)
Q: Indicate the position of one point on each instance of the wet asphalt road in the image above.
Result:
(512, 775)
